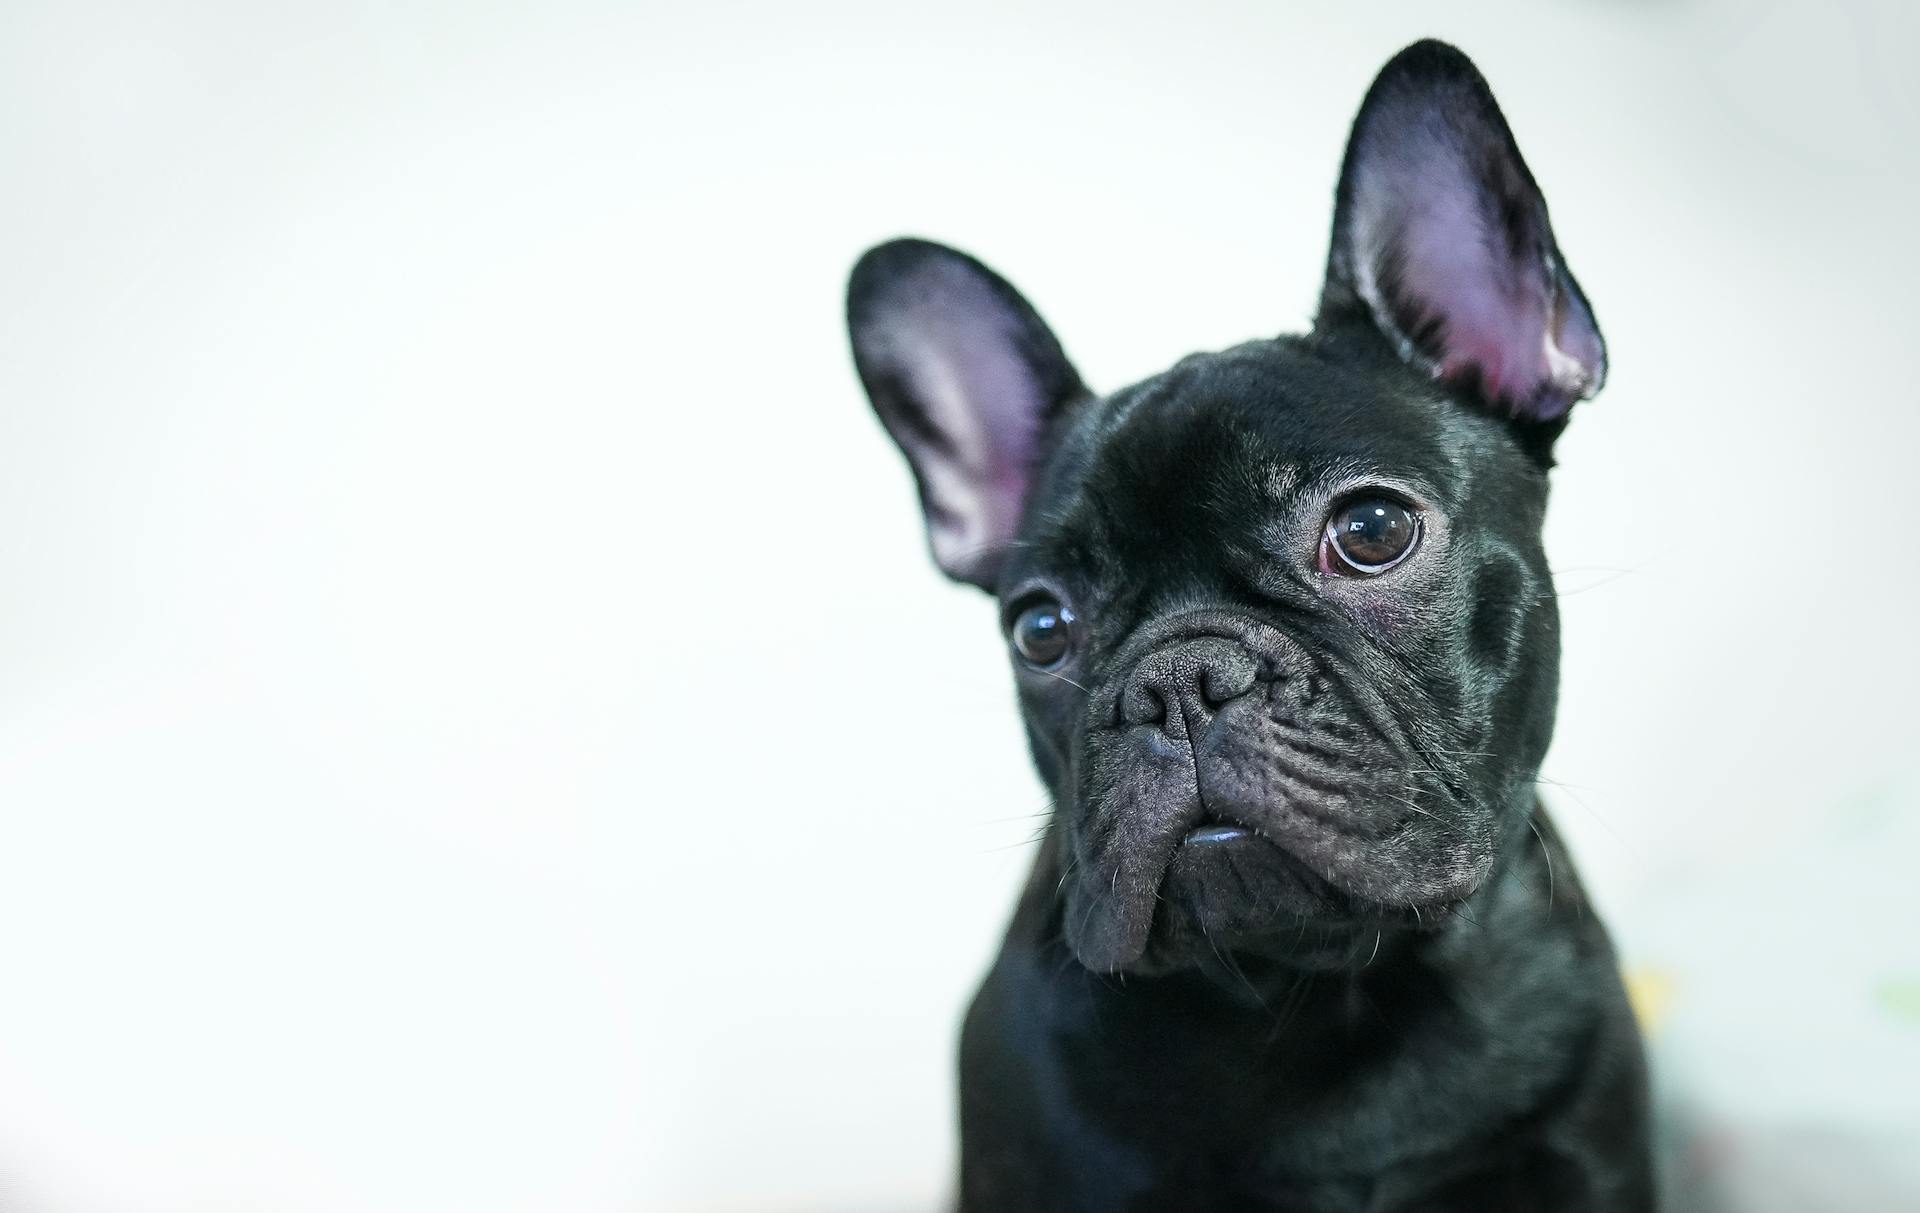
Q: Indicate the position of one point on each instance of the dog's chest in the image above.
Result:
(1304, 1108)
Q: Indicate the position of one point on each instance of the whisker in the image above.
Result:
(1000, 821)
(1028, 841)
(1414, 807)
(1063, 678)
(1066, 870)
(1574, 794)
(1614, 574)
(1547, 852)
(1232, 966)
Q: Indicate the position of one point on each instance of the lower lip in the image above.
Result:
(1215, 834)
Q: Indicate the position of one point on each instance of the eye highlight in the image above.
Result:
(1367, 535)
(1042, 633)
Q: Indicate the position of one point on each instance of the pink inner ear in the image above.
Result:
(950, 338)
(1503, 312)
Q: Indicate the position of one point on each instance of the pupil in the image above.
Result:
(1041, 635)
(1374, 532)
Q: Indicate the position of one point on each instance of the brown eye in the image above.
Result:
(1042, 633)
(1368, 535)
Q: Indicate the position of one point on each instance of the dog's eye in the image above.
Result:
(1042, 633)
(1368, 535)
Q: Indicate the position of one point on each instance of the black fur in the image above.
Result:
(1384, 990)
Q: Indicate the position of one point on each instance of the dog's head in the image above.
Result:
(1283, 630)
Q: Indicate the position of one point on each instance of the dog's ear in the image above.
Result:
(1441, 240)
(968, 379)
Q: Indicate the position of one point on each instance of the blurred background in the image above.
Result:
(478, 727)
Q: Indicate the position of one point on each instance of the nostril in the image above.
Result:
(1143, 704)
(1215, 690)
(1227, 679)
(1181, 687)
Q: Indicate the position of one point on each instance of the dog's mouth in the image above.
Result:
(1227, 884)
(1224, 886)
(1216, 833)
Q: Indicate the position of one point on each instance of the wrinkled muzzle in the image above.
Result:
(1235, 786)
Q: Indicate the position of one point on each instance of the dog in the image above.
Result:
(1299, 935)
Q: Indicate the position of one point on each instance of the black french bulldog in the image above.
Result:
(1299, 936)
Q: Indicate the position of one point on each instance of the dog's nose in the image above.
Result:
(1181, 686)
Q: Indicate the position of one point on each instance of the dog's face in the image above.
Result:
(1282, 627)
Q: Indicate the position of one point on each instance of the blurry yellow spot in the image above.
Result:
(1900, 998)
(1651, 993)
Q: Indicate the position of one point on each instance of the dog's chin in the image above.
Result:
(1227, 891)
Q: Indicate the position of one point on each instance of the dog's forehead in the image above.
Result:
(1258, 424)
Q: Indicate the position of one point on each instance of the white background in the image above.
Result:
(478, 729)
